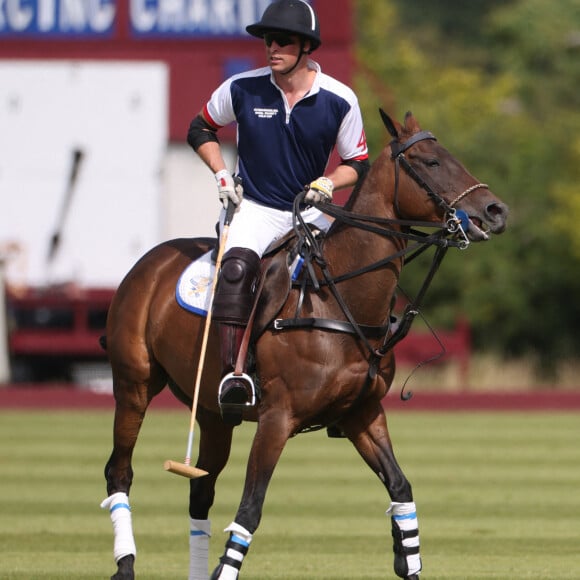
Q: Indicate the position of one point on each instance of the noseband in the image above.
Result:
(467, 192)
(455, 219)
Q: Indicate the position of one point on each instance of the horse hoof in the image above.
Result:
(125, 570)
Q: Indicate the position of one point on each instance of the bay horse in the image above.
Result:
(325, 361)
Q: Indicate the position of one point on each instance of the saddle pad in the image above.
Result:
(193, 290)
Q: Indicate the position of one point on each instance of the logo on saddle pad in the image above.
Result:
(193, 290)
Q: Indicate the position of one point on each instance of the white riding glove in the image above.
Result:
(319, 190)
(228, 189)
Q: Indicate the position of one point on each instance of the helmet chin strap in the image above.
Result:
(300, 55)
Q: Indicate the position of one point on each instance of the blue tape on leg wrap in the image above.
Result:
(410, 516)
(239, 540)
(119, 506)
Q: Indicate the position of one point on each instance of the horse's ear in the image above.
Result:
(411, 124)
(389, 124)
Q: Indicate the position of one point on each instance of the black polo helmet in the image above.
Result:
(293, 16)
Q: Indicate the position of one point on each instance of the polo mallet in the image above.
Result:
(185, 468)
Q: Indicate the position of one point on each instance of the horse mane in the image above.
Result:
(338, 224)
(356, 190)
(397, 132)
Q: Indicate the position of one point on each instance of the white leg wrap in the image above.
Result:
(404, 517)
(228, 573)
(199, 535)
(118, 506)
(239, 531)
(241, 537)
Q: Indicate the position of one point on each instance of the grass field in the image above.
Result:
(498, 496)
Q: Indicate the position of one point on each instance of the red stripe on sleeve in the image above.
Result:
(209, 119)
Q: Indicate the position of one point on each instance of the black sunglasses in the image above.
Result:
(280, 38)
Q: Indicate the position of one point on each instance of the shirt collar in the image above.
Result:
(312, 65)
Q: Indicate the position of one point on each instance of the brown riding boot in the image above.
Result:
(231, 309)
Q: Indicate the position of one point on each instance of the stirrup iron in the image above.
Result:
(245, 378)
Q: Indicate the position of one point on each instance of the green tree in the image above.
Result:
(547, 63)
(499, 84)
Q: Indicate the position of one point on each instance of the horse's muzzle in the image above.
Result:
(493, 221)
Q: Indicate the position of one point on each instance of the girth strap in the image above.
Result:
(329, 324)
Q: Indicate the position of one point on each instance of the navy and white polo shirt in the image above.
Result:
(280, 150)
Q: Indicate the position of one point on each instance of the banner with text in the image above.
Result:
(57, 18)
(147, 18)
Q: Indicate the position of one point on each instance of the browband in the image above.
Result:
(397, 147)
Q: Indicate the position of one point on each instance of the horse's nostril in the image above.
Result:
(497, 210)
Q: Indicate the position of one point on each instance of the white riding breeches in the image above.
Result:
(256, 226)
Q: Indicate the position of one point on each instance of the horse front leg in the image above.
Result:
(214, 450)
(131, 402)
(272, 433)
(367, 430)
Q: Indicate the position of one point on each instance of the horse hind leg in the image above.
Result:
(131, 402)
(367, 430)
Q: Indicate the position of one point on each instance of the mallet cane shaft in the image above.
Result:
(185, 468)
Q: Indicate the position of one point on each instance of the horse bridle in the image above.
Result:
(455, 224)
(454, 218)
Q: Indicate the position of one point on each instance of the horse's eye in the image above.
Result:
(432, 163)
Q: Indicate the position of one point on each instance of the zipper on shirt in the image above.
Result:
(288, 110)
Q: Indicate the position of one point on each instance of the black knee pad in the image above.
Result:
(236, 286)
